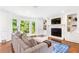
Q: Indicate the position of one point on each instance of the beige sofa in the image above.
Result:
(20, 47)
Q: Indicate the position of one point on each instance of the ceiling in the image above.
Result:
(39, 11)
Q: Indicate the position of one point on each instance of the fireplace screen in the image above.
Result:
(56, 32)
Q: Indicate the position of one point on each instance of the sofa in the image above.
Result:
(20, 47)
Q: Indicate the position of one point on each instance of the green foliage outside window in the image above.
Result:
(33, 27)
(24, 26)
(14, 25)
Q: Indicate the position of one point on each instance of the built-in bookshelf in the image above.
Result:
(71, 22)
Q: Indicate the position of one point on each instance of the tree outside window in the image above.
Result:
(24, 26)
(14, 25)
(33, 27)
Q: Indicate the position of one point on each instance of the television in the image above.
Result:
(56, 32)
(56, 21)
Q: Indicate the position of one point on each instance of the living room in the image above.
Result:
(44, 24)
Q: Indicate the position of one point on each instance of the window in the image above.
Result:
(33, 27)
(14, 25)
(24, 26)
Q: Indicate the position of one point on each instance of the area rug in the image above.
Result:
(60, 48)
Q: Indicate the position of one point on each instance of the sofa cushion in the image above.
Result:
(24, 36)
(18, 34)
(25, 40)
(33, 42)
(40, 39)
(29, 40)
(26, 47)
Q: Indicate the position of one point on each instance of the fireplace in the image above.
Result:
(56, 32)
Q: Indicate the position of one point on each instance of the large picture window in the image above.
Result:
(24, 26)
(33, 27)
(14, 25)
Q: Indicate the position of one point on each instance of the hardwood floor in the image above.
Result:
(7, 48)
(73, 47)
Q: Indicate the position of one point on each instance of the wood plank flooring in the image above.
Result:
(6, 48)
(73, 47)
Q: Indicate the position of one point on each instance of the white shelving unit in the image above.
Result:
(71, 22)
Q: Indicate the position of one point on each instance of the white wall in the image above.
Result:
(5, 21)
(6, 24)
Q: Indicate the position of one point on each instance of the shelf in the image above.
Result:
(71, 22)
